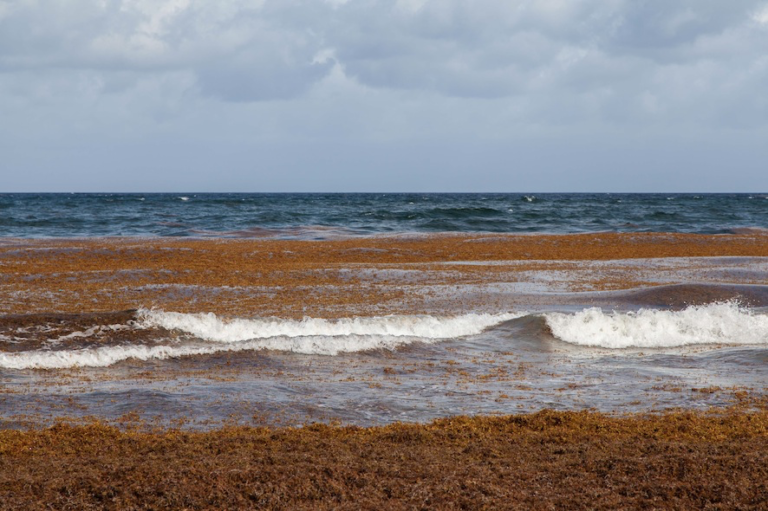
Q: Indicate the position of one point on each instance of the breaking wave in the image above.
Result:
(205, 334)
(308, 336)
(719, 323)
(212, 328)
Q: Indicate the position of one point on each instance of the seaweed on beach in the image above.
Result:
(546, 460)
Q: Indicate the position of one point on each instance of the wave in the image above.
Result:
(297, 231)
(158, 335)
(210, 327)
(463, 212)
(312, 336)
(718, 323)
(109, 355)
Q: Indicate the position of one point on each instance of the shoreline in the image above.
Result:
(660, 458)
(361, 277)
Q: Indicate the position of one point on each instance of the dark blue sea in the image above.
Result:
(319, 216)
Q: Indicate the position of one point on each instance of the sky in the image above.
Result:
(373, 95)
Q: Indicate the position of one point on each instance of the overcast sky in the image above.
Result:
(373, 95)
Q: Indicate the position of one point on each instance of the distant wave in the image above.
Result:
(719, 323)
(299, 231)
(465, 212)
(319, 216)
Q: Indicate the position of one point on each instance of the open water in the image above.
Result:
(324, 215)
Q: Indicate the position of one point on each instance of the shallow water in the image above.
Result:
(391, 339)
(387, 369)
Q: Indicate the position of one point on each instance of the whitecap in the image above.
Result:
(109, 355)
(210, 327)
(313, 336)
(719, 323)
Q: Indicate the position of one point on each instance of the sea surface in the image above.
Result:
(628, 350)
(319, 216)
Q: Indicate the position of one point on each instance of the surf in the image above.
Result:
(206, 334)
(726, 323)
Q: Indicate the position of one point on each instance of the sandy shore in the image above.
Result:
(360, 276)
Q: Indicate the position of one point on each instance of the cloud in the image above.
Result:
(240, 51)
(339, 86)
(243, 51)
(650, 60)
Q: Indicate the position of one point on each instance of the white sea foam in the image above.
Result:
(214, 329)
(309, 336)
(720, 323)
(106, 356)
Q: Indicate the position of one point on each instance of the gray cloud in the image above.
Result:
(239, 52)
(401, 77)
(656, 57)
(277, 49)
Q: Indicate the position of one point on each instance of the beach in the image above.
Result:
(550, 460)
(383, 255)
(342, 363)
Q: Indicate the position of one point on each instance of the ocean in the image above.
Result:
(316, 216)
(196, 310)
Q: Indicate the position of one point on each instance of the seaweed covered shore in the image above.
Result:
(356, 276)
(74, 295)
(546, 460)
